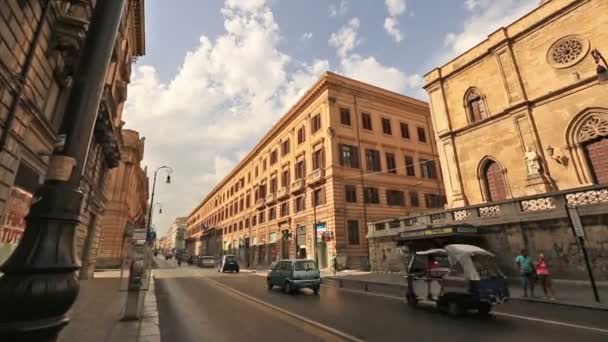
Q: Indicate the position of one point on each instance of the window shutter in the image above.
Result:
(355, 156)
(341, 149)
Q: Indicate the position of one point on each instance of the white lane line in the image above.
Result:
(547, 321)
(497, 313)
(289, 313)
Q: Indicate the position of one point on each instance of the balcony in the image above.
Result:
(271, 198)
(297, 186)
(316, 176)
(260, 203)
(282, 193)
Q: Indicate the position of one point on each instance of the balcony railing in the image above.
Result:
(297, 186)
(260, 203)
(282, 193)
(271, 198)
(316, 176)
(590, 201)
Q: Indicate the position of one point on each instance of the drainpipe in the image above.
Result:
(27, 66)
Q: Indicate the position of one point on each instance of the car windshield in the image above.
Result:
(305, 266)
(230, 258)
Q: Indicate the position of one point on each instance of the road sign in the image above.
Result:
(575, 219)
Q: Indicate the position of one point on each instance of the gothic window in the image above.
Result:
(475, 105)
(593, 136)
(567, 51)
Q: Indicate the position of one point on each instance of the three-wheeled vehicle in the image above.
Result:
(456, 279)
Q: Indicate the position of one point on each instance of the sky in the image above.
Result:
(218, 74)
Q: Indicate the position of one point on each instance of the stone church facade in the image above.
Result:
(525, 112)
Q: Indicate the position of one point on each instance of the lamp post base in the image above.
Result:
(40, 284)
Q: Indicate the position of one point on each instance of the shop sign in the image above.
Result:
(11, 231)
(466, 230)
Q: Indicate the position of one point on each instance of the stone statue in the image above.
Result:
(532, 161)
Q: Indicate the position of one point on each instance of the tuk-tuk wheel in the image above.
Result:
(411, 300)
(454, 308)
(484, 309)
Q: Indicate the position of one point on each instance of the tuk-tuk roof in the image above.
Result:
(432, 251)
(459, 249)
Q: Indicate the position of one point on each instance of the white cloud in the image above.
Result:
(390, 25)
(338, 10)
(306, 36)
(369, 69)
(345, 40)
(471, 4)
(485, 17)
(395, 8)
(224, 97)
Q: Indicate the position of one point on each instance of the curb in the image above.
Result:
(568, 304)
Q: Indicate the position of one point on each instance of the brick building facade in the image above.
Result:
(346, 153)
(35, 82)
(128, 202)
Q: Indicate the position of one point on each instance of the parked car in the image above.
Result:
(206, 261)
(294, 274)
(228, 263)
(168, 256)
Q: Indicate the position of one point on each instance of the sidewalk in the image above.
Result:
(96, 315)
(566, 292)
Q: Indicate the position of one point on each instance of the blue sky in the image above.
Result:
(219, 73)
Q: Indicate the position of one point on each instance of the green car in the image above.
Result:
(294, 274)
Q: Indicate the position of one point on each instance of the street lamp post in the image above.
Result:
(169, 172)
(40, 283)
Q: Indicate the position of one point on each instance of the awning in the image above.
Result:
(432, 233)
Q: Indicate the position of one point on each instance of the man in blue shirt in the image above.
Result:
(526, 269)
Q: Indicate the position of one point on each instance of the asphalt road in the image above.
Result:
(203, 305)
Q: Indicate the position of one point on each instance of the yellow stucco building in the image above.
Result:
(526, 110)
(346, 153)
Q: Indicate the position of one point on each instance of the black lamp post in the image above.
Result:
(40, 283)
(169, 172)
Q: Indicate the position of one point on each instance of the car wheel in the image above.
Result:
(484, 309)
(237, 270)
(454, 308)
(269, 284)
(316, 289)
(288, 288)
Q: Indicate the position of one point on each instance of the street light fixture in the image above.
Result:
(169, 171)
(160, 207)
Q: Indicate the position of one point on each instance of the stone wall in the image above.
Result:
(538, 223)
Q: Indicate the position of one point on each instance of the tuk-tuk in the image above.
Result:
(456, 279)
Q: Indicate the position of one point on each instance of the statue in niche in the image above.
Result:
(532, 161)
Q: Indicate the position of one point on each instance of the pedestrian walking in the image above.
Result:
(527, 272)
(544, 276)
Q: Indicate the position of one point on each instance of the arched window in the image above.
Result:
(587, 137)
(476, 109)
(493, 179)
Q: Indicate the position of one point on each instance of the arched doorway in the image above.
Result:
(494, 180)
(596, 152)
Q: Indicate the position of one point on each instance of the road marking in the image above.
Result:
(497, 313)
(547, 321)
(289, 313)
